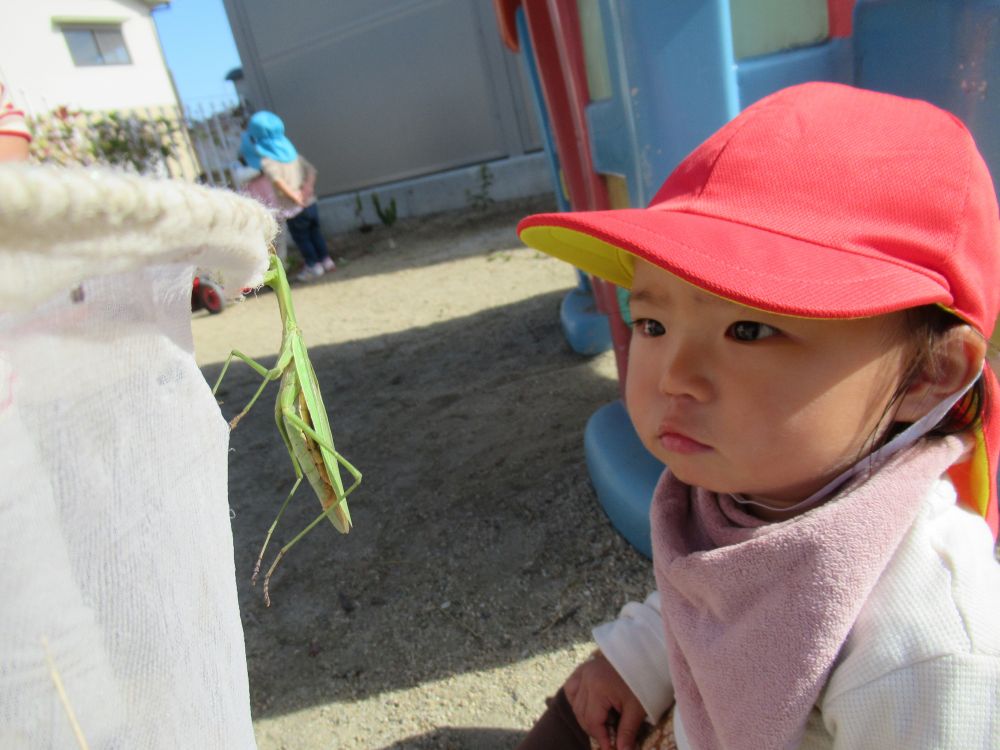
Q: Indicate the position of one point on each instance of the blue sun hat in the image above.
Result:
(266, 134)
(249, 152)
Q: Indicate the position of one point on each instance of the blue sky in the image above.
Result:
(199, 48)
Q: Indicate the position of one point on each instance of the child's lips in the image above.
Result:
(674, 441)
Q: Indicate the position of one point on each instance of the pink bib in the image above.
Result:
(756, 612)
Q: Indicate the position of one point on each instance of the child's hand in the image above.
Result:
(295, 196)
(594, 690)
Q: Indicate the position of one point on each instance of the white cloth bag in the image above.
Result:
(116, 551)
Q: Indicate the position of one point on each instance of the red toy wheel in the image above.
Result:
(210, 297)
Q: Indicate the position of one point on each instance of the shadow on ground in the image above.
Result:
(452, 738)
(478, 540)
(416, 241)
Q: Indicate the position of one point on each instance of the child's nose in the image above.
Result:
(683, 369)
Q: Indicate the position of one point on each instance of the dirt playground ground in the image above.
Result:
(480, 558)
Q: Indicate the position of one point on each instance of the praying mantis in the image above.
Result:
(302, 422)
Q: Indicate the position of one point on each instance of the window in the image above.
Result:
(96, 45)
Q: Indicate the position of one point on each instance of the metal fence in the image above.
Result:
(196, 144)
(214, 135)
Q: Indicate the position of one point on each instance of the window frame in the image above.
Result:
(96, 29)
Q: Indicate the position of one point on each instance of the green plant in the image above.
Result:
(387, 215)
(481, 199)
(127, 141)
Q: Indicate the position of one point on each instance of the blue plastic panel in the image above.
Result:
(675, 80)
(586, 330)
(623, 472)
(944, 51)
(671, 66)
(760, 76)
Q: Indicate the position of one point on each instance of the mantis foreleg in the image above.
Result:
(261, 370)
(269, 375)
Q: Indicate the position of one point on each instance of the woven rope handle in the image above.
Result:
(59, 226)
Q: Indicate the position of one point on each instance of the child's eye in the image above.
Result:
(648, 327)
(747, 330)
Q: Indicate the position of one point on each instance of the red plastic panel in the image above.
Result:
(607, 302)
(506, 13)
(841, 17)
(556, 38)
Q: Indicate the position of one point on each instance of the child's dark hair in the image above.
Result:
(927, 326)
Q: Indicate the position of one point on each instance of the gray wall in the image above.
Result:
(378, 91)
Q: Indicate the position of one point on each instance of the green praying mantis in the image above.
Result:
(302, 422)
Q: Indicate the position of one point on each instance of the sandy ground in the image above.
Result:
(480, 558)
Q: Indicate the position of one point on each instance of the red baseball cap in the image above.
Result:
(822, 201)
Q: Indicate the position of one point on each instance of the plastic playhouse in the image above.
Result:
(625, 90)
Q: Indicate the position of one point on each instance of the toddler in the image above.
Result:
(293, 178)
(252, 182)
(811, 294)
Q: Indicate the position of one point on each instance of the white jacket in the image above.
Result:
(921, 666)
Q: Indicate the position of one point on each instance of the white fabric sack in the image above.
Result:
(115, 542)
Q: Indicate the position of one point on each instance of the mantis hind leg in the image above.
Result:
(284, 505)
(270, 532)
(306, 530)
(326, 444)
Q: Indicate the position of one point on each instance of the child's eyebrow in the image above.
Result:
(663, 298)
(643, 295)
(655, 297)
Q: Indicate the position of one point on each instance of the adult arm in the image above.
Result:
(13, 148)
(15, 139)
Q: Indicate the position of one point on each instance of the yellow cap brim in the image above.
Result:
(586, 252)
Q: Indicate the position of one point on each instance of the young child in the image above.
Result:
(812, 290)
(252, 182)
(293, 179)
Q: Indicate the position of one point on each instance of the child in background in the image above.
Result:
(812, 291)
(293, 179)
(254, 183)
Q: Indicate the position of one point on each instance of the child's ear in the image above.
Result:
(959, 356)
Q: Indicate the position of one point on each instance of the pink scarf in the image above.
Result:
(756, 612)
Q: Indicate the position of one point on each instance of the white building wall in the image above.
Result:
(35, 61)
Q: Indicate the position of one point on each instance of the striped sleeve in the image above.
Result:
(11, 118)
